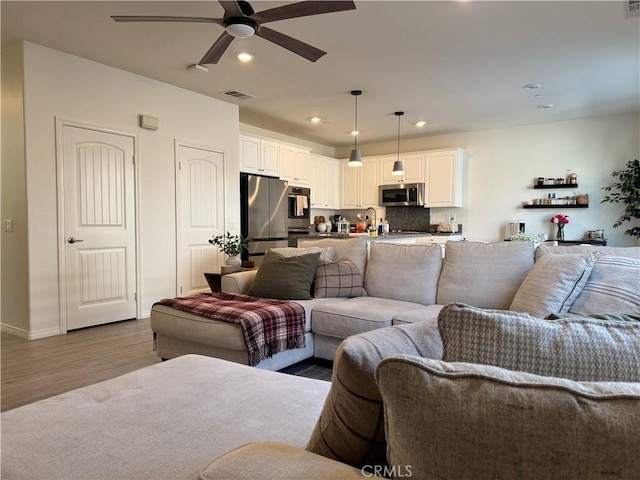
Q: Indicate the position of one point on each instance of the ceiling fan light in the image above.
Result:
(398, 168)
(355, 159)
(240, 30)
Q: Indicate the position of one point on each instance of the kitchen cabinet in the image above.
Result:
(295, 165)
(414, 168)
(359, 185)
(259, 156)
(325, 179)
(444, 178)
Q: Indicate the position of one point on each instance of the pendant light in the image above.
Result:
(355, 159)
(398, 168)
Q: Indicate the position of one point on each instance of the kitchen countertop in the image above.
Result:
(316, 236)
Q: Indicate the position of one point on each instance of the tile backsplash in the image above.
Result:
(408, 218)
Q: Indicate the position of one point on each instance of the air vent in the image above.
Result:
(633, 8)
(238, 95)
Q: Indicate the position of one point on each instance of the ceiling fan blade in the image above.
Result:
(296, 46)
(301, 9)
(156, 18)
(231, 9)
(217, 49)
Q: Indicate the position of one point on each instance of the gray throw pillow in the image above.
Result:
(285, 278)
(578, 348)
(613, 287)
(455, 421)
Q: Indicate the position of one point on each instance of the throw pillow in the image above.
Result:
(611, 317)
(351, 426)
(285, 278)
(553, 284)
(581, 349)
(469, 421)
(483, 274)
(416, 269)
(341, 279)
(613, 287)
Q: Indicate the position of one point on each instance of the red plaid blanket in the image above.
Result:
(269, 326)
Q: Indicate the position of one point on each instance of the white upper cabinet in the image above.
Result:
(414, 169)
(295, 165)
(325, 177)
(360, 184)
(259, 156)
(444, 178)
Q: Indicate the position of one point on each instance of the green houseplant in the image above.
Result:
(232, 245)
(626, 191)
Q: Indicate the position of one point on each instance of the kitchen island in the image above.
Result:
(392, 237)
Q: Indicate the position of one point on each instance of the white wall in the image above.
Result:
(503, 163)
(15, 284)
(59, 85)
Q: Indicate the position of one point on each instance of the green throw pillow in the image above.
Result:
(285, 278)
(609, 317)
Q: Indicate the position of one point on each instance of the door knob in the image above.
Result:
(74, 240)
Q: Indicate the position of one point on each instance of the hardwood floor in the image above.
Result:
(38, 369)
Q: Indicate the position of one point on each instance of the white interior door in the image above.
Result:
(200, 177)
(99, 227)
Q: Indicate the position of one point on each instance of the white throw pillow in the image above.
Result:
(553, 284)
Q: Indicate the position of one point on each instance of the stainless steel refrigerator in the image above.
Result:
(263, 214)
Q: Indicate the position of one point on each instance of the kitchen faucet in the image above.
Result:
(375, 217)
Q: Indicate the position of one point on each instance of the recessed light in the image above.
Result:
(538, 95)
(545, 106)
(245, 56)
(421, 123)
(315, 119)
(355, 132)
(532, 86)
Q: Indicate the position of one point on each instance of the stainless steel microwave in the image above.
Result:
(402, 195)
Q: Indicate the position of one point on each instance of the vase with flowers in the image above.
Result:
(560, 220)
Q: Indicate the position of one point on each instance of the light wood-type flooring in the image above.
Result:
(38, 369)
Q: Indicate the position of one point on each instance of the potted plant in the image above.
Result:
(626, 191)
(232, 245)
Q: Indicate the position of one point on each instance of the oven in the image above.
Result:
(298, 205)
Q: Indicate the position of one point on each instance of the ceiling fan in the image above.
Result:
(241, 21)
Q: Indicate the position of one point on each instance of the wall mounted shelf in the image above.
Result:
(584, 205)
(559, 185)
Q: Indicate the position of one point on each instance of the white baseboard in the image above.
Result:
(29, 335)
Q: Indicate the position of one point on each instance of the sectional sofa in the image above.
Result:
(411, 283)
(477, 393)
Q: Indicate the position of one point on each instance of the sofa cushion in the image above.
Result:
(338, 279)
(356, 315)
(578, 348)
(486, 275)
(275, 460)
(287, 278)
(326, 253)
(545, 249)
(354, 249)
(553, 284)
(350, 428)
(421, 314)
(416, 269)
(470, 421)
(613, 287)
